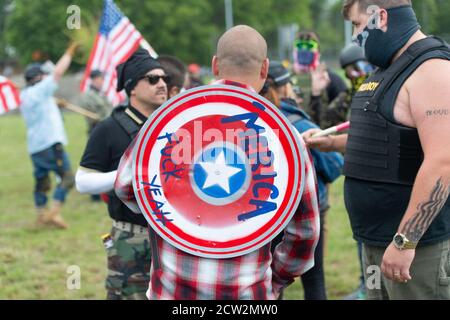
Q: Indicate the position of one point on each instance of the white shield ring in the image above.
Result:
(218, 171)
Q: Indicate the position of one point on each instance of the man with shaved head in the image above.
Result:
(241, 60)
(242, 57)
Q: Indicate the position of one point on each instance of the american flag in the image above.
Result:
(9, 96)
(116, 41)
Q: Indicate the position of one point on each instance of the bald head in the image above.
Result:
(241, 53)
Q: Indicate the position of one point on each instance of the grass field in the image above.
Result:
(34, 262)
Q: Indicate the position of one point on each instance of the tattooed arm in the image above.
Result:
(417, 225)
(429, 97)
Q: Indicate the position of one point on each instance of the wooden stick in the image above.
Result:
(69, 106)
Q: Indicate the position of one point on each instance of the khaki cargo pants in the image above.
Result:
(430, 272)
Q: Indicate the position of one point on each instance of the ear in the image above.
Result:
(264, 69)
(383, 20)
(215, 66)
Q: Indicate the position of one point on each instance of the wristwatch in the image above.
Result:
(402, 243)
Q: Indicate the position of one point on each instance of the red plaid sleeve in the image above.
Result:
(123, 185)
(295, 254)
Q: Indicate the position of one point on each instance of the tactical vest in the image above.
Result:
(378, 148)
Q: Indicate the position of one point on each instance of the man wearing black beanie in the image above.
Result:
(129, 256)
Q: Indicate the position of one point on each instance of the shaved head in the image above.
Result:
(241, 52)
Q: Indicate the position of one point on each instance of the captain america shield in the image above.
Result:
(218, 171)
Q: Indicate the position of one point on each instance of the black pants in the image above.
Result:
(314, 280)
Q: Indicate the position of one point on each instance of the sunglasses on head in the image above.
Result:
(154, 79)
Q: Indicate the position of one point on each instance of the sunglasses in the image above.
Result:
(307, 44)
(154, 79)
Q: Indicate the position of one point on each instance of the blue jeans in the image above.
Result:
(52, 159)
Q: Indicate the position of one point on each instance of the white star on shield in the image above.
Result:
(219, 173)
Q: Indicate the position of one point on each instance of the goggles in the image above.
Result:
(310, 45)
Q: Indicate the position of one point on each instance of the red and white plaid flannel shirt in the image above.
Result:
(254, 276)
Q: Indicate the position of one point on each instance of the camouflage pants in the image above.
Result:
(129, 262)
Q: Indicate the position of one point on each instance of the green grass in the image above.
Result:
(34, 261)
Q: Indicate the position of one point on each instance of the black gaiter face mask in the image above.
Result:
(380, 47)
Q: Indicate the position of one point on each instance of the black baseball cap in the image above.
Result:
(279, 74)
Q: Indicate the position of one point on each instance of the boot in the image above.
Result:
(43, 217)
(55, 217)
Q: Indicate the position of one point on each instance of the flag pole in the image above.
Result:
(229, 14)
(69, 106)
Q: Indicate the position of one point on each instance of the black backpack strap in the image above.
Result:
(412, 54)
(131, 127)
(124, 119)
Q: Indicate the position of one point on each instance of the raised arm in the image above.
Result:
(64, 62)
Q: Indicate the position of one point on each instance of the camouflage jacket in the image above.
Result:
(97, 103)
(335, 113)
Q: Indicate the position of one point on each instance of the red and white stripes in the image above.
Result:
(9, 96)
(109, 51)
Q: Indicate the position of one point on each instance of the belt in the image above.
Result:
(129, 227)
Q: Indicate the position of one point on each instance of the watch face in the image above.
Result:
(399, 241)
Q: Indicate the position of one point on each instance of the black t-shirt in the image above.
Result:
(376, 210)
(103, 152)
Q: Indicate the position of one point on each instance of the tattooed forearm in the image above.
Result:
(416, 227)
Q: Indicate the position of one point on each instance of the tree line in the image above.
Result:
(36, 30)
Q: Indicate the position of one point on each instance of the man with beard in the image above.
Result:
(129, 256)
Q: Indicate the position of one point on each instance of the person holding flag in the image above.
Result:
(47, 137)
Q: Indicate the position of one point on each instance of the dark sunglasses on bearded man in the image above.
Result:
(153, 79)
